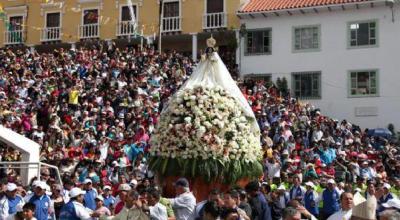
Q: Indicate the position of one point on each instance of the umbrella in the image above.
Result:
(380, 132)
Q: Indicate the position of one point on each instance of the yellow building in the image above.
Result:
(40, 23)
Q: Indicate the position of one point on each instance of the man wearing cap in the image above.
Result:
(90, 195)
(184, 203)
(11, 202)
(123, 189)
(100, 208)
(43, 203)
(132, 209)
(74, 209)
(387, 195)
(109, 200)
(311, 199)
(330, 197)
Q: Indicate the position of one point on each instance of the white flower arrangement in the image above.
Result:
(205, 124)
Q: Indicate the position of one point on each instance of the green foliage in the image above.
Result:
(210, 170)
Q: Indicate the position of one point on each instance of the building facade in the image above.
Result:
(342, 57)
(49, 22)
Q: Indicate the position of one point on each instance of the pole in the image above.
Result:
(160, 28)
(141, 40)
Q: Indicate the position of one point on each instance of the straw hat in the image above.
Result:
(365, 210)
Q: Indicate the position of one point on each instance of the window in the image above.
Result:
(306, 38)
(363, 83)
(53, 20)
(16, 23)
(171, 9)
(307, 85)
(126, 13)
(363, 33)
(215, 6)
(90, 16)
(258, 42)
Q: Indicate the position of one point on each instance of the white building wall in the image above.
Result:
(334, 61)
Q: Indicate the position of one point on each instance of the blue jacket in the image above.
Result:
(331, 201)
(42, 204)
(109, 201)
(310, 204)
(265, 210)
(89, 198)
(68, 212)
(12, 204)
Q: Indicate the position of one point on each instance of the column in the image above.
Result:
(73, 46)
(194, 46)
(238, 51)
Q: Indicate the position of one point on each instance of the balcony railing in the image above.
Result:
(126, 28)
(214, 20)
(50, 34)
(89, 31)
(14, 37)
(171, 24)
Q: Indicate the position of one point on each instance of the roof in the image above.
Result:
(274, 5)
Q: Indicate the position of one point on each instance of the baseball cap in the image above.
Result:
(310, 184)
(99, 197)
(387, 186)
(124, 187)
(11, 187)
(183, 182)
(41, 185)
(133, 182)
(281, 187)
(87, 181)
(107, 187)
(76, 192)
(331, 181)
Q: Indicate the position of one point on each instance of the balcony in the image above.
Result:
(88, 31)
(171, 24)
(126, 28)
(14, 37)
(214, 20)
(50, 34)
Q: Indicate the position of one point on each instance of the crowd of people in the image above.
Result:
(92, 110)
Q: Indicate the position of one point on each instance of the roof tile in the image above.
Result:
(273, 5)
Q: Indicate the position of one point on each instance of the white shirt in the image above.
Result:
(341, 215)
(274, 170)
(183, 206)
(81, 211)
(158, 211)
(4, 207)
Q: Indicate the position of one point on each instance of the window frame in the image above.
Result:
(293, 83)
(52, 12)
(349, 95)
(294, 50)
(9, 16)
(136, 5)
(246, 53)
(87, 9)
(349, 46)
(169, 1)
(205, 7)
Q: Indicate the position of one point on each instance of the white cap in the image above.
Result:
(42, 185)
(281, 187)
(11, 187)
(133, 182)
(392, 203)
(387, 186)
(87, 181)
(331, 181)
(76, 192)
(107, 187)
(99, 197)
(124, 187)
(310, 184)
